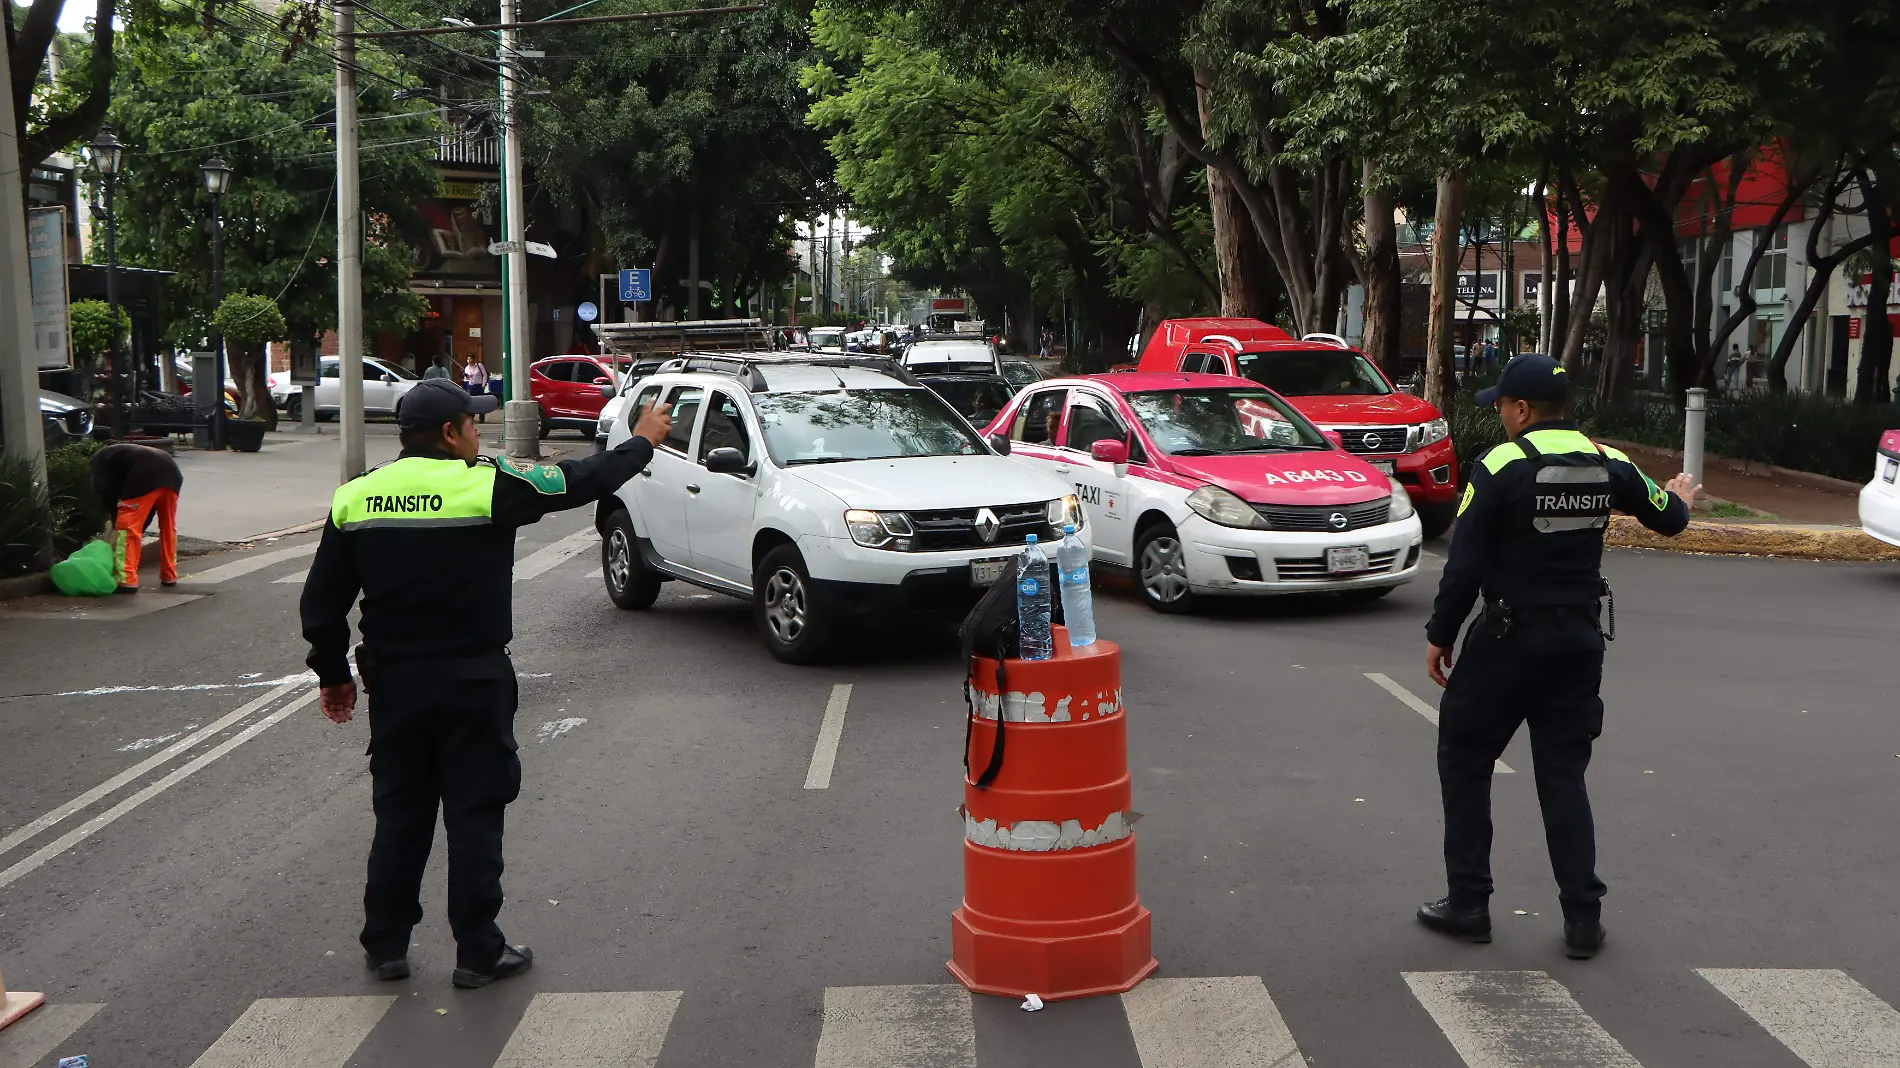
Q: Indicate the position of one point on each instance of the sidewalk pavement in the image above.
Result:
(1777, 497)
(239, 496)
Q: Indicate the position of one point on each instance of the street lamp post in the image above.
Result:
(107, 153)
(217, 176)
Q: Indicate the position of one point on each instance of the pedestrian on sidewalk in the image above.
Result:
(434, 656)
(137, 482)
(1734, 377)
(438, 367)
(475, 380)
(1530, 540)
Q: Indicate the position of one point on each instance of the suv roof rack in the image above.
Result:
(692, 335)
(746, 365)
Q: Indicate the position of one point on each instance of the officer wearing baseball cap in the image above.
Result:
(429, 541)
(1529, 538)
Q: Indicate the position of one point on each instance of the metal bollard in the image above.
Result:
(1695, 423)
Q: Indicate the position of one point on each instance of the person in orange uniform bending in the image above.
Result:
(136, 481)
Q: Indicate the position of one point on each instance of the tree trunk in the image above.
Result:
(1246, 274)
(1380, 340)
(249, 371)
(1546, 265)
(1560, 297)
(1823, 268)
(1876, 336)
(1438, 362)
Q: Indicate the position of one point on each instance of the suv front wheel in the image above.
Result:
(788, 613)
(630, 582)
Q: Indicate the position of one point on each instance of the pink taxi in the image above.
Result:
(1209, 485)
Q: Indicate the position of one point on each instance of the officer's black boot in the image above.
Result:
(1471, 924)
(514, 960)
(1583, 939)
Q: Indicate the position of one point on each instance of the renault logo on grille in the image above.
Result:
(987, 525)
(1338, 520)
(1372, 442)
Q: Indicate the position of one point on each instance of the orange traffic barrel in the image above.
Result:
(1049, 902)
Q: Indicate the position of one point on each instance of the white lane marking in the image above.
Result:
(1822, 1016)
(554, 728)
(897, 1027)
(591, 1030)
(296, 1033)
(295, 576)
(143, 766)
(549, 557)
(31, 1039)
(244, 565)
(1419, 705)
(1228, 1022)
(1515, 1020)
(148, 743)
(100, 822)
(187, 687)
(830, 730)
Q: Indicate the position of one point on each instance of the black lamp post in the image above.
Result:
(217, 175)
(107, 153)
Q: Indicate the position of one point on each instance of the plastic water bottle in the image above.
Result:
(1032, 603)
(1078, 611)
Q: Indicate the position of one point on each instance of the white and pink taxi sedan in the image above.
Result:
(1209, 485)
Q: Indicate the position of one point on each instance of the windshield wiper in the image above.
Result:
(1195, 452)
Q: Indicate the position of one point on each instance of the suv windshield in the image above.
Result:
(861, 424)
(950, 357)
(976, 399)
(399, 371)
(1316, 373)
(1208, 422)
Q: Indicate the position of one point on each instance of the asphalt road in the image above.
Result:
(197, 903)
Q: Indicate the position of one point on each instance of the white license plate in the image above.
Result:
(1892, 472)
(1354, 558)
(985, 572)
(1385, 466)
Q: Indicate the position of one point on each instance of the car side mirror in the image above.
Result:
(1000, 442)
(607, 389)
(1333, 438)
(727, 460)
(603, 381)
(387, 377)
(1109, 451)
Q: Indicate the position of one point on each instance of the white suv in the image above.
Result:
(824, 490)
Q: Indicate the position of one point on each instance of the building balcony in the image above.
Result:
(482, 150)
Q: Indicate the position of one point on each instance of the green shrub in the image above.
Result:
(1800, 431)
(26, 518)
(78, 513)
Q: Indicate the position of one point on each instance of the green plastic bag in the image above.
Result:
(90, 572)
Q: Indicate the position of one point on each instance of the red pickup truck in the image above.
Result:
(1336, 387)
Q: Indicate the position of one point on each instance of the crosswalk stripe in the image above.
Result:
(34, 1037)
(1208, 1023)
(617, 1030)
(1515, 1020)
(897, 1027)
(548, 557)
(294, 576)
(1422, 707)
(244, 565)
(1822, 1015)
(296, 1033)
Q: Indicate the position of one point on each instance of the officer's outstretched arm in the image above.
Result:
(328, 591)
(524, 492)
(1473, 547)
(1653, 506)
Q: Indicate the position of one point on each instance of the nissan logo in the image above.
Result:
(1338, 521)
(1372, 442)
(987, 525)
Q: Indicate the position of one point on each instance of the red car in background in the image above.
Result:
(568, 390)
(1336, 387)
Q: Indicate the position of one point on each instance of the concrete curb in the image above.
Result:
(29, 585)
(1750, 467)
(1846, 544)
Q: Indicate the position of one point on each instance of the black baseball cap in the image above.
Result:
(1531, 377)
(434, 401)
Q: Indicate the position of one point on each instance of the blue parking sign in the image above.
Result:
(636, 284)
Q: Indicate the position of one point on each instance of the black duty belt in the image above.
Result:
(1499, 618)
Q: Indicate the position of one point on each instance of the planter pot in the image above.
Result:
(244, 435)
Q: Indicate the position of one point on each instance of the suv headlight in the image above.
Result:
(1065, 510)
(1219, 506)
(880, 530)
(1401, 501)
(1431, 433)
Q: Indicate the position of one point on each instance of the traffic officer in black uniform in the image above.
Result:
(429, 541)
(1530, 538)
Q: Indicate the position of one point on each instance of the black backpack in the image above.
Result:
(989, 630)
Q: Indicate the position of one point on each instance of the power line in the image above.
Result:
(589, 20)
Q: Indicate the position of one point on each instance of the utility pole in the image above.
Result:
(19, 377)
(522, 418)
(692, 265)
(349, 250)
(844, 262)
